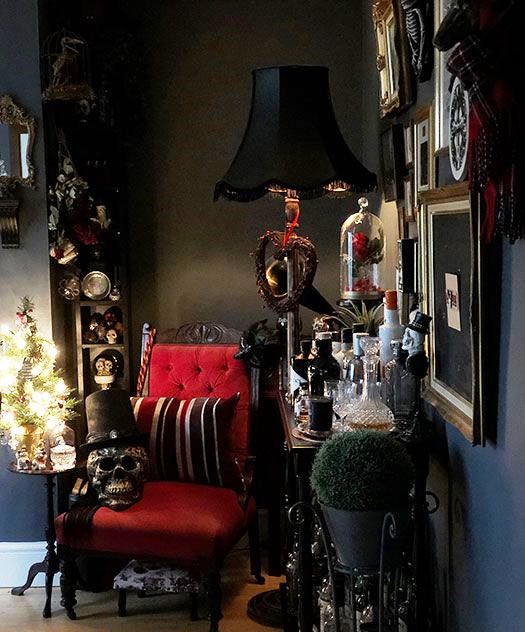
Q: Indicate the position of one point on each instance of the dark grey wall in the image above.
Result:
(478, 534)
(190, 257)
(25, 270)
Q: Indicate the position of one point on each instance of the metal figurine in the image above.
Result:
(414, 343)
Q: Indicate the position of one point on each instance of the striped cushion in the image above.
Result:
(189, 439)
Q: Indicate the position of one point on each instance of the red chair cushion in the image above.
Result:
(190, 439)
(185, 523)
(187, 371)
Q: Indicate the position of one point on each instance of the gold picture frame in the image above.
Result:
(392, 61)
(20, 132)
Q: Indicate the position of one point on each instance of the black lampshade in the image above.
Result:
(292, 141)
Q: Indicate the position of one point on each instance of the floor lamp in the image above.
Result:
(292, 148)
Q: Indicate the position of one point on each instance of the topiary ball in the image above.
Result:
(366, 470)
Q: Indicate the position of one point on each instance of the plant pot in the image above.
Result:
(29, 438)
(357, 535)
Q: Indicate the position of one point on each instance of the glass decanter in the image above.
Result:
(369, 411)
(362, 255)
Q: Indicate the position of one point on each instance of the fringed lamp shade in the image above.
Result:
(292, 142)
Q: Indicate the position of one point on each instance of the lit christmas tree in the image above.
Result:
(34, 398)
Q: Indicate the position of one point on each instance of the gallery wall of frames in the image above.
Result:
(450, 230)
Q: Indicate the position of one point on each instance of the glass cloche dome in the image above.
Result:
(362, 255)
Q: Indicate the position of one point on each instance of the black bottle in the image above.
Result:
(323, 367)
(300, 364)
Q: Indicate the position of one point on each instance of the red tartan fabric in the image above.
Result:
(188, 371)
(190, 439)
(185, 523)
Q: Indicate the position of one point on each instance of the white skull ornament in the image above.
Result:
(111, 336)
(117, 474)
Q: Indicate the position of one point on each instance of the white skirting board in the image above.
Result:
(15, 560)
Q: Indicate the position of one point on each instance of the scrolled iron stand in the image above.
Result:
(389, 524)
(389, 532)
(296, 518)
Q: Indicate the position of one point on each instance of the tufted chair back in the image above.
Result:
(186, 369)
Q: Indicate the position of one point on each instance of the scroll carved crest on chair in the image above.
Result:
(200, 333)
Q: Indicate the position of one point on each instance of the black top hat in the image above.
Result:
(420, 323)
(110, 421)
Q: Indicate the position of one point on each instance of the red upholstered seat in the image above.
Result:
(182, 522)
(189, 524)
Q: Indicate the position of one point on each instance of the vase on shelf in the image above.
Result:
(362, 256)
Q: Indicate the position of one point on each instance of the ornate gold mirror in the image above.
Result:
(393, 65)
(17, 136)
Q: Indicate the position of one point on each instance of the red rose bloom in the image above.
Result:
(359, 247)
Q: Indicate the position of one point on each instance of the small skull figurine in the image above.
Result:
(117, 474)
(104, 372)
(111, 336)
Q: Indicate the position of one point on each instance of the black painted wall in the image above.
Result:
(190, 257)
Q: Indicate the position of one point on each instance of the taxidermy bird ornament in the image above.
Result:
(66, 68)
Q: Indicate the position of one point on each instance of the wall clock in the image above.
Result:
(458, 130)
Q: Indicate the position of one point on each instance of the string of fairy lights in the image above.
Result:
(33, 393)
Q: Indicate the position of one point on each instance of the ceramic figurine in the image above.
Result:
(40, 459)
(111, 336)
(22, 460)
(117, 461)
(104, 372)
(414, 344)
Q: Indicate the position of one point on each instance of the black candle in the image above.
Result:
(320, 414)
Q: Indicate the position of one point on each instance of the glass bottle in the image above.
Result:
(300, 363)
(391, 329)
(344, 355)
(402, 393)
(362, 255)
(302, 404)
(369, 411)
(62, 448)
(323, 367)
(355, 368)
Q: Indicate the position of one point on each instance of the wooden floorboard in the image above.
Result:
(155, 614)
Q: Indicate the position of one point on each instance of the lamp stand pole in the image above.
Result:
(291, 210)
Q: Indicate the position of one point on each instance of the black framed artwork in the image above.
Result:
(457, 271)
(393, 167)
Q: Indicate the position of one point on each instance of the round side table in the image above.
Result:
(49, 565)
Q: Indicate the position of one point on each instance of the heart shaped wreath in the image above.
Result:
(295, 245)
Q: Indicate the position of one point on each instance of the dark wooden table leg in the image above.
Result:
(51, 557)
(305, 614)
(38, 567)
(49, 565)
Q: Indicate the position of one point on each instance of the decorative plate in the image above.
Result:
(458, 130)
(96, 285)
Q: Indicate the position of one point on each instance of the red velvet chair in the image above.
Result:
(188, 524)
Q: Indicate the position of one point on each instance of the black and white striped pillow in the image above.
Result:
(189, 439)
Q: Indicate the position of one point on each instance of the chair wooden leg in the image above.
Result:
(214, 599)
(68, 581)
(122, 598)
(255, 553)
(194, 607)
